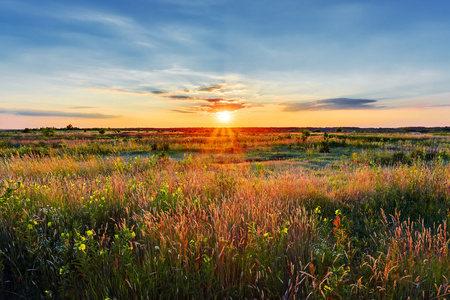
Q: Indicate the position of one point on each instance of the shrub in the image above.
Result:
(324, 147)
(48, 131)
(4, 143)
(305, 135)
(165, 146)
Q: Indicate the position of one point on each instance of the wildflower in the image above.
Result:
(336, 223)
(82, 247)
(49, 224)
(30, 226)
(89, 233)
(317, 210)
(133, 234)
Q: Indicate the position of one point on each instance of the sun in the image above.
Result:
(224, 116)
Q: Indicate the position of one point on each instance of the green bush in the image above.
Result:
(48, 131)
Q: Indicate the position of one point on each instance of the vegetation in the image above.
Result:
(221, 213)
(46, 131)
(305, 134)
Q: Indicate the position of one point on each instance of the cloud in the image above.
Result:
(215, 100)
(331, 104)
(211, 88)
(138, 91)
(183, 111)
(215, 107)
(420, 105)
(117, 90)
(55, 113)
(82, 107)
(225, 101)
(181, 97)
(203, 96)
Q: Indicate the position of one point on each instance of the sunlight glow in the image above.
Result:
(224, 116)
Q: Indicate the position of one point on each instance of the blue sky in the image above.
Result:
(178, 63)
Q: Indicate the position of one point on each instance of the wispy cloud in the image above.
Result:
(82, 107)
(215, 107)
(202, 97)
(181, 97)
(331, 104)
(211, 88)
(210, 104)
(183, 111)
(55, 113)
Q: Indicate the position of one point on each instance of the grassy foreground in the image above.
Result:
(241, 215)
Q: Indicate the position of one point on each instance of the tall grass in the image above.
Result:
(91, 227)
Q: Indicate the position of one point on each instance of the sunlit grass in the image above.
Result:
(367, 223)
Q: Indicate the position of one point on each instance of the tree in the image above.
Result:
(339, 129)
(69, 127)
(305, 135)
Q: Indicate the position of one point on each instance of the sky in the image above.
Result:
(182, 63)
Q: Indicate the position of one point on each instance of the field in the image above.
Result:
(224, 213)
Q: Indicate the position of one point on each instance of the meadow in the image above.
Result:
(224, 213)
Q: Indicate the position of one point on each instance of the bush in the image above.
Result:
(4, 143)
(48, 131)
(324, 147)
(165, 146)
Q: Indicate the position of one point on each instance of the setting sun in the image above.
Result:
(224, 116)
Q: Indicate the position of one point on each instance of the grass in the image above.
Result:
(246, 214)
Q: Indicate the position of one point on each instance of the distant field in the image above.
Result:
(224, 213)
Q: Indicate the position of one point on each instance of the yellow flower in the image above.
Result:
(30, 226)
(89, 233)
(82, 247)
